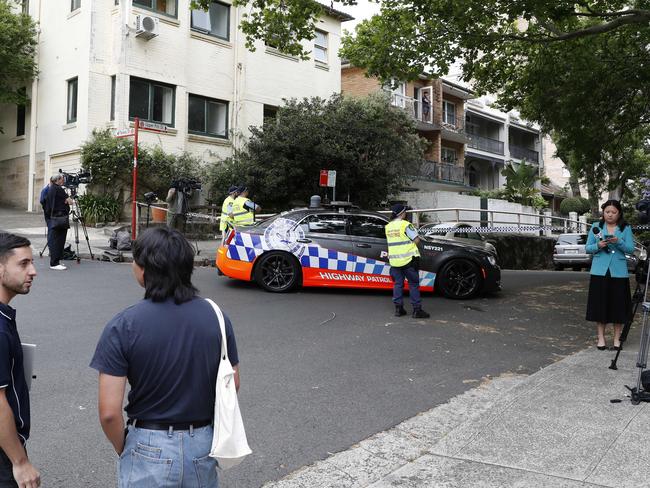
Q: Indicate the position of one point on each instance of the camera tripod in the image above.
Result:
(638, 393)
(77, 217)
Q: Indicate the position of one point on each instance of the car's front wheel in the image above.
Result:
(277, 272)
(459, 279)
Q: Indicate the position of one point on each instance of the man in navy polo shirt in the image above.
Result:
(17, 273)
(167, 346)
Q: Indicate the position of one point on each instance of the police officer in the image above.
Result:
(404, 257)
(227, 212)
(243, 208)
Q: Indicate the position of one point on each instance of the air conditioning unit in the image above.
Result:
(146, 26)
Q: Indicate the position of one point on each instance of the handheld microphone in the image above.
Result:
(596, 231)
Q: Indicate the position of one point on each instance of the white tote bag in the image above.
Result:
(229, 444)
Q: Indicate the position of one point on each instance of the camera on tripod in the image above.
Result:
(73, 180)
(186, 185)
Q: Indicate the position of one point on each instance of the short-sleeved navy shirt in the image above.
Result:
(12, 373)
(170, 355)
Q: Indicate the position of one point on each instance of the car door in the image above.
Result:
(368, 236)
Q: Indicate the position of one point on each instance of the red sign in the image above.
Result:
(322, 181)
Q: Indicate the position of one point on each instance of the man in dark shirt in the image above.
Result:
(17, 273)
(58, 204)
(167, 346)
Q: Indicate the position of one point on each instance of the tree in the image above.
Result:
(520, 184)
(17, 49)
(373, 147)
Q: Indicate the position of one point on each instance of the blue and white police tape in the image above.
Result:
(428, 231)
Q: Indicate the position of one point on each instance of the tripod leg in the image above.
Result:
(85, 231)
(642, 357)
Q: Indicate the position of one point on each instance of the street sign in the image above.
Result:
(152, 126)
(124, 132)
(331, 178)
(327, 178)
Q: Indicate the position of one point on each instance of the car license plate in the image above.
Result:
(571, 251)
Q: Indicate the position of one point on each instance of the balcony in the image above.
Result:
(519, 152)
(412, 107)
(485, 144)
(431, 170)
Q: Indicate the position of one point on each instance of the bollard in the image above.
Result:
(547, 223)
(573, 216)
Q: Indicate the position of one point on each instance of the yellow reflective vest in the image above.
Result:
(241, 214)
(225, 218)
(401, 249)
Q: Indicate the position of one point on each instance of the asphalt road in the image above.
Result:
(321, 369)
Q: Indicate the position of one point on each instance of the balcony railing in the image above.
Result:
(524, 153)
(453, 124)
(485, 144)
(442, 172)
(412, 107)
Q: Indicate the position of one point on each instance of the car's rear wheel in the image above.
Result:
(459, 279)
(277, 272)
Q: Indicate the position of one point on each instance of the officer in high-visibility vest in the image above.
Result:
(227, 211)
(243, 209)
(404, 259)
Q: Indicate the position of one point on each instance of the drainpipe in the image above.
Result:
(33, 123)
(236, 82)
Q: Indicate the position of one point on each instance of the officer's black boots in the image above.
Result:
(399, 311)
(418, 313)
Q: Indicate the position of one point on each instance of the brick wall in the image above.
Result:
(354, 82)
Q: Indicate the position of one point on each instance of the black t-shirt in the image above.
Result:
(56, 202)
(170, 355)
(12, 374)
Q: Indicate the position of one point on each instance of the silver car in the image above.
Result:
(570, 252)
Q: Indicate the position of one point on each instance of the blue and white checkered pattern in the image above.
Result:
(319, 257)
(246, 247)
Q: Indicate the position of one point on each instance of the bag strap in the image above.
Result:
(222, 327)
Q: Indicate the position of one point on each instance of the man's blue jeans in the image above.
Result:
(165, 459)
(413, 276)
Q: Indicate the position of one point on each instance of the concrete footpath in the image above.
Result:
(32, 226)
(555, 428)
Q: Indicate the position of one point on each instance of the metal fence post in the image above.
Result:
(547, 222)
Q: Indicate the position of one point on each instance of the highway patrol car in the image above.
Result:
(343, 247)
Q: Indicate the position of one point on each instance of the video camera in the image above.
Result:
(186, 185)
(73, 180)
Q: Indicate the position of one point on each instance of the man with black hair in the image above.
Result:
(57, 205)
(17, 273)
(167, 346)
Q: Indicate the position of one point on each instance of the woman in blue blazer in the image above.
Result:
(609, 300)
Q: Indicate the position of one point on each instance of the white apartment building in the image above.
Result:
(104, 62)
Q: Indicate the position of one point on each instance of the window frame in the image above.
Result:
(321, 216)
(448, 149)
(206, 100)
(325, 48)
(113, 90)
(151, 84)
(154, 10)
(72, 5)
(207, 33)
(69, 116)
(380, 221)
(445, 112)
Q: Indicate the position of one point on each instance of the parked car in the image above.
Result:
(344, 247)
(570, 252)
(457, 230)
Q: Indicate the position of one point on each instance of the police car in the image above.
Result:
(340, 246)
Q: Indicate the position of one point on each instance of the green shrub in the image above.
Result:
(575, 204)
(99, 208)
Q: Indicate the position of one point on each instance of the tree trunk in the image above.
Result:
(574, 184)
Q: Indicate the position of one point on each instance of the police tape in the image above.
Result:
(511, 229)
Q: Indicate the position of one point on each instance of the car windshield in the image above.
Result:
(572, 239)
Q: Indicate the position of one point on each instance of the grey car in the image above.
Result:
(570, 252)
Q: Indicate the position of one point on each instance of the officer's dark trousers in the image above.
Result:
(413, 277)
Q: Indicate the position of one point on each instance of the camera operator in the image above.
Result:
(177, 200)
(57, 205)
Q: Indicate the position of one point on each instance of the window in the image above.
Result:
(152, 101)
(214, 22)
(320, 46)
(207, 116)
(324, 224)
(166, 7)
(448, 113)
(113, 82)
(71, 115)
(448, 155)
(365, 226)
(270, 113)
(25, 6)
(20, 120)
(74, 5)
